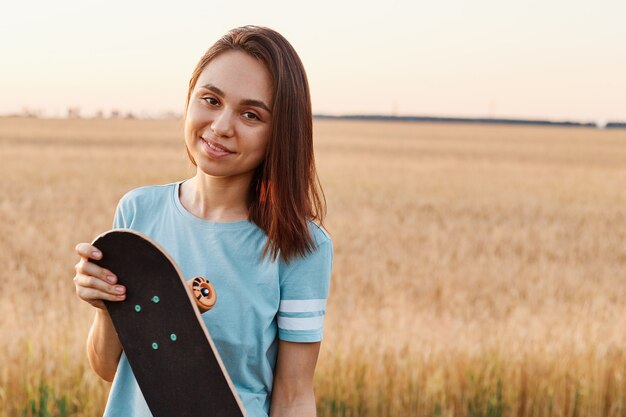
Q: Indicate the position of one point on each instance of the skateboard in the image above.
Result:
(168, 347)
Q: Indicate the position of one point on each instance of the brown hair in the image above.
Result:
(285, 191)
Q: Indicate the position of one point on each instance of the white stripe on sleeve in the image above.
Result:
(302, 306)
(303, 323)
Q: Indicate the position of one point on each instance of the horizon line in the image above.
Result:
(74, 113)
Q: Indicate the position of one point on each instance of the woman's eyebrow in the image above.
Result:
(245, 102)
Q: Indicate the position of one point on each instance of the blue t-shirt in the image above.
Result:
(258, 300)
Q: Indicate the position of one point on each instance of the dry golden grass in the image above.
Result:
(479, 270)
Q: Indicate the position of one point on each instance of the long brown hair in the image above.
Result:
(285, 191)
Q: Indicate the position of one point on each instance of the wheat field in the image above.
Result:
(478, 271)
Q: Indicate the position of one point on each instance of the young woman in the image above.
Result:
(249, 221)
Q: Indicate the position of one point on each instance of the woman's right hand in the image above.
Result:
(93, 283)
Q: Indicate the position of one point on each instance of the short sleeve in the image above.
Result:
(118, 219)
(304, 286)
(124, 212)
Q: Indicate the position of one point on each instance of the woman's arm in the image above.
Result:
(103, 346)
(93, 285)
(292, 394)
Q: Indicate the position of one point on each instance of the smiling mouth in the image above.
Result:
(216, 146)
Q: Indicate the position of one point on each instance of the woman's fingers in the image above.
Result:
(92, 295)
(88, 268)
(93, 290)
(95, 283)
(85, 250)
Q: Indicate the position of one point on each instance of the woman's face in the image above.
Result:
(228, 123)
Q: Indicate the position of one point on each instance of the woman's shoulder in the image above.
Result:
(318, 233)
(147, 197)
(148, 193)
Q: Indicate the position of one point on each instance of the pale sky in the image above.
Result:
(525, 59)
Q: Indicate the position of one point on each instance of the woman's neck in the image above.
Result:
(216, 199)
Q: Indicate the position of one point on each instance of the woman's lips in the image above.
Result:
(214, 149)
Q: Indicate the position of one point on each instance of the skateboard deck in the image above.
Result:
(168, 347)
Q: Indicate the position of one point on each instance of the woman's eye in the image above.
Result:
(251, 116)
(210, 100)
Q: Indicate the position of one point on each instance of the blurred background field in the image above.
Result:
(479, 270)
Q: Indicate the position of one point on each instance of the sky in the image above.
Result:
(548, 59)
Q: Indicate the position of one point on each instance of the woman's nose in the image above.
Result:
(223, 124)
